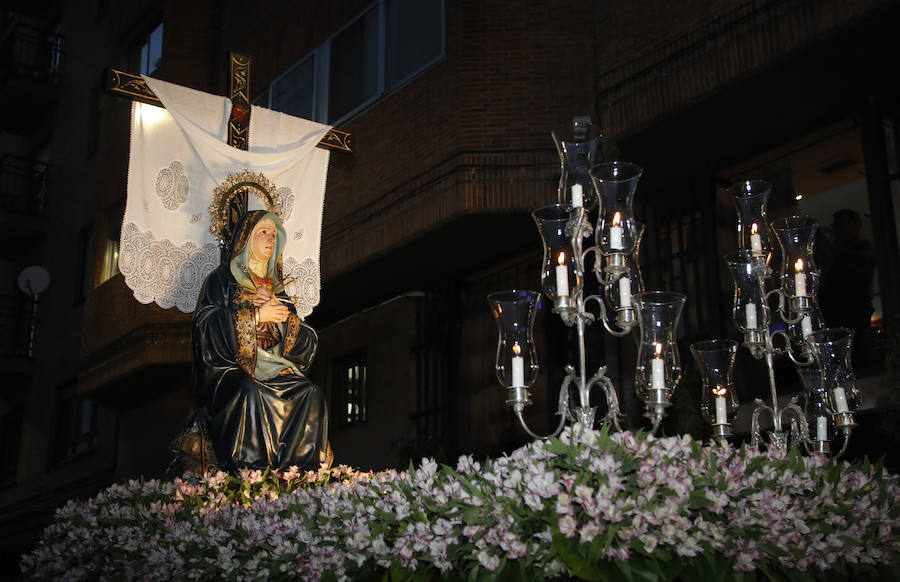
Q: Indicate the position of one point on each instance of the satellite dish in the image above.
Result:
(34, 280)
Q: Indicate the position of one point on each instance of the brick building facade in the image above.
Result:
(432, 209)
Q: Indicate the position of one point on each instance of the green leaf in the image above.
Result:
(698, 499)
(577, 563)
(401, 574)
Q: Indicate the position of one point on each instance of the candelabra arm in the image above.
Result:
(846, 430)
(562, 408)
(799, 425)
(755, 436)
(612, 329)
(612, 400)
(808, 360)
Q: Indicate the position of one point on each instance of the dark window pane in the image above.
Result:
(151, 52)
(293, 92)
(413, 31)
(354, 66)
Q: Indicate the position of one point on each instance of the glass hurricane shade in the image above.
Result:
(514, 312)
(751, 197)
(818, 415)
(616, 183)
(618, 294)
(831, 348)
(715, 359)
(796, 237)
(561, 271)
(658, 363)
(577, 145)
(748, 293)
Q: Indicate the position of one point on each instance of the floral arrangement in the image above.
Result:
(590, 505)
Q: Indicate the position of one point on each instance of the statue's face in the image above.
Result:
(262, 239)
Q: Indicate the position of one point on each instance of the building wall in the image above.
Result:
(431, 211)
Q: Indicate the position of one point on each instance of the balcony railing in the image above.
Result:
(23, 185)
(10, 443)
(30, 53)
(18, 321)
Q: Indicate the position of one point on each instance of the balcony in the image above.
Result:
(127, 361)
(31, 65)
(17, 316)
(24, 185)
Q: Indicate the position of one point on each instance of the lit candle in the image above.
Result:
(624, 292)
(799, 279)
(755, 240)
(518, 367)
(657, 371)
(721, 405)
(577, 196)
(840, 400)
(562, 277)
(806, 326)
(615, 233)
(821, 428)
(750, 311)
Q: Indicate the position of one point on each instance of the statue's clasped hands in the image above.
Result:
(270, 307)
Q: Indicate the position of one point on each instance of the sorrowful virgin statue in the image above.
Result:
(251, 353)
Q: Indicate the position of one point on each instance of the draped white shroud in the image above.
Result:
(178, 157)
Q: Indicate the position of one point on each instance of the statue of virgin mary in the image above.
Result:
(251, 353)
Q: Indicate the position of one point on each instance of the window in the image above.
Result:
(350, 391)
(292, 93)
(151, 51)
(354, 65)
(110, 266)
(10, 443)
(76, 425)
(412, 38)
(82, 265)
(384, 47)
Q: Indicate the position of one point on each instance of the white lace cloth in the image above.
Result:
(178, 156)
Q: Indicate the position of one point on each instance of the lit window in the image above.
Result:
(110, 267)
(151, 52)
(350, 391)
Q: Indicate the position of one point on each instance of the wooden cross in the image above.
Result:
(135, 88)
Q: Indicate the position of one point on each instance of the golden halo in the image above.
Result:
(231, 186)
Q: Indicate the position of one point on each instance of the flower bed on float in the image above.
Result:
(591, 505)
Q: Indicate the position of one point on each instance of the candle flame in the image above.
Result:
(719, 391)
(658, 349)
(617, 218)
(798, 266)
(516, 349)
(562, 258)
(753, 228)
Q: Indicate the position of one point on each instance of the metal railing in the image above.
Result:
(31, 53)
(24, 185)
(18, 319)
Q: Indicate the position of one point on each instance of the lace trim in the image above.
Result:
(304, 288)
(172, 185)
(160, 272)
(287, 202)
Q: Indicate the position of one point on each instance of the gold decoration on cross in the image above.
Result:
(227, 204)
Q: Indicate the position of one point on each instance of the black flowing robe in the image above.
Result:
(277, 422)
